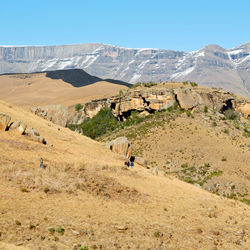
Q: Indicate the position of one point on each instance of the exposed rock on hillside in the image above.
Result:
(4, 121)
(121, 146)
(7, 124)
(244, 108)
(57, 114)
(19, 127)
(161, 97)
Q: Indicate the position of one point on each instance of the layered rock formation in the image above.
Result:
(210, 66)
(57, 114)
(158, 98)
(7, 124)
(244, 108)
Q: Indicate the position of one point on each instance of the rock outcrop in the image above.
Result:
(121, 146)
(149, 100)
(19, 127)
(57, 114)
(244, 108)
(7, 124)
(4, 121)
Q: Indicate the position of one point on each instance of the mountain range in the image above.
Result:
(212, 66)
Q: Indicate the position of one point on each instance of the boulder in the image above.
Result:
(4, 121)
(19, 127)
(144, 114)
(155, 171)
(187, 98)
(121, 146)
(35, 136)
(57, 114)
(244, 108)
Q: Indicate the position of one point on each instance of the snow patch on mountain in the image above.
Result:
(183, 73)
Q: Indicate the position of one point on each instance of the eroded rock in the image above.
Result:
(19, 127)
(4, 121)
(244, 108)
(121, 146)
(57, 114)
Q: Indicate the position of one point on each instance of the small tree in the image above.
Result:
(193, 84)
(78, 107)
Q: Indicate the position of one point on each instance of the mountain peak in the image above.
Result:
(210, 66)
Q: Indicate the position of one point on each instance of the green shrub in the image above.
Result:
(246, 201)
(223, 158)
(184, 165)
(193, 84)
(207, 165)
(149, 84)
(157, 234)
(60, 230)
(136, 85)
(51, 230)
(120, 92)
(226, 131)
(84, 248)
(100, 124)
(78, 107)
(205, 109)
(231, 114)
(246, 132)
(145, 84)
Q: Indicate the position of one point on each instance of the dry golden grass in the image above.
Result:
(39, 90)
(86, 190)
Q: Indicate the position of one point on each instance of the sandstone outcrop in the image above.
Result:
(19, 127)
(121, 146)
(244, 108)
(57, 114)
(4, 121)
(35, 136)
(149, 100)
(7, 124)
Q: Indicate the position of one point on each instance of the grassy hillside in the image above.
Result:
(86, 199)
(40, 89)
(205, 148)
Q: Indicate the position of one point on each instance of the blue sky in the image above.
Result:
(178, 24)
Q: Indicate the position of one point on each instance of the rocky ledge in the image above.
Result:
(7, 124)
(148, 100)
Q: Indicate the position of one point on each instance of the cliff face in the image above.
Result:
(210, 66)
(161, 97)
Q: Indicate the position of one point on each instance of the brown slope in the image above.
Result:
(86, 190)
(59, 87)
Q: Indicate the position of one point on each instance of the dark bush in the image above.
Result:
(78, 107)
(231, 114)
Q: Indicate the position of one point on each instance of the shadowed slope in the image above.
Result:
(67, 87)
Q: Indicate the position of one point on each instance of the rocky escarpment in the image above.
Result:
(149, 100)
(57, 114)
(211, 66)
(8, 124)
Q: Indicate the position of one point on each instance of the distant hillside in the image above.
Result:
(66, 87)
(211, 66)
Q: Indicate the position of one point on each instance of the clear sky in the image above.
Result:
(168, 24)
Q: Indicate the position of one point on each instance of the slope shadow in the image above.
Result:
(79, 78)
